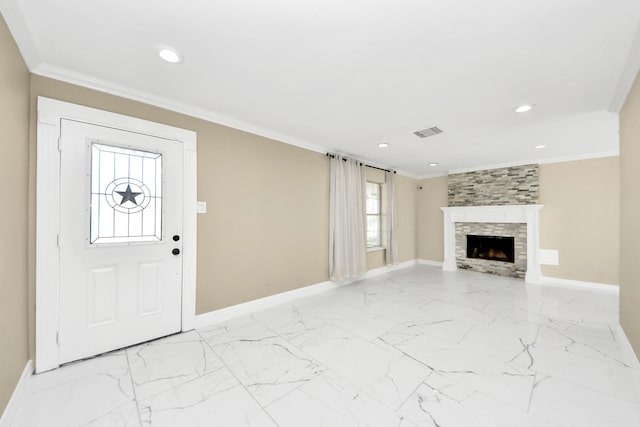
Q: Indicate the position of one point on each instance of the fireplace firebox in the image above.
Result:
(493, 248)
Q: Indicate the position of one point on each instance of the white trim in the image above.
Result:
(246, 308)
(122, 91)
(386, 269)
(432, 175)
(27, 47)
(529, 214)
(537, 161)
(249, 307)
(631, 356)
(20, 32)
(567, 283)
(16, 397)
(430, 262)
(579, 157)
(376, 249)
(50, 113)
(495, 166)
(190, 231)
(627, 76)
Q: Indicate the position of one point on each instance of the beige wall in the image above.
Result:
(430, 229)
(14, 110)
(630, 217)
(266, 229)
(580, 219)
(406, 201)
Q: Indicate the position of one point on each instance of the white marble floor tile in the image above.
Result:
(289, 321)
(382, 372)
(439, 401)
(215, 399)
(441, 310)
(159, 365)
(417, 347)
(565, 404)
(329, 401)
(359, 322)
(125, 416)
(594, 340)
(266, 364)
(583, 371)
(483, 373)
(90, 392)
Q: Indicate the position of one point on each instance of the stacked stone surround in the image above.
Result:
(518, 185)
(518, 231)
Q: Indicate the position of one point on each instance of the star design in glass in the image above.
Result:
(128, 196)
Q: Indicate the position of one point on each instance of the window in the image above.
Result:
(126, 195)
(374, 234)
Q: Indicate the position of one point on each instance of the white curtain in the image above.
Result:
(390, 229)
(347, 226)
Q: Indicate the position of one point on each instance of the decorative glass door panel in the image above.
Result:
(126, 195)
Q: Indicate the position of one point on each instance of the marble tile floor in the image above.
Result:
(416, 347)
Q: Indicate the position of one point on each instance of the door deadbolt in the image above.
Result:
(176, 238)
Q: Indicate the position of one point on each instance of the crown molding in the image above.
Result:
(580, 157)
(79, 79)
(539, 161)
(433, 175)
(18, 27)
(628, 75)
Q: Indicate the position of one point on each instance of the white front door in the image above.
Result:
(120, 238)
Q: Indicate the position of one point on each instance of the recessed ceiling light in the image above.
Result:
(433, 164)
(169, 55)
(523, 108)
(383, 145)
(541, 146)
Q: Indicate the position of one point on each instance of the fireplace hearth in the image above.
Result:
(492, 248)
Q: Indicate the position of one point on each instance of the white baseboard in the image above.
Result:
(249, 307)
(17, 395)
(245, 308)
(566, 283)
(431, 263)
(631, 356)
(383, 270)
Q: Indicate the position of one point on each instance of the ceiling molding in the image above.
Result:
(539, 161)
(79, 79)
(16, 23)
(433, 175)
(580, 157)
(628, 75)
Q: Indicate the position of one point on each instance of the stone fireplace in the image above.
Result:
(496, 202)
(520, 222)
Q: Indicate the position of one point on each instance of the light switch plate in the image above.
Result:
(202, 207)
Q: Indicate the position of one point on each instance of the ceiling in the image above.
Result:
(343, 76)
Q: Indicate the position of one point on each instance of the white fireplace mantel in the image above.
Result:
(529, 214)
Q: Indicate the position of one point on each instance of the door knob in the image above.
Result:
(175, 251)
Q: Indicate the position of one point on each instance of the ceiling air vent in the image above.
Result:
(425, 133)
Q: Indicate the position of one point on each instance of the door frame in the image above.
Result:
(50, 114)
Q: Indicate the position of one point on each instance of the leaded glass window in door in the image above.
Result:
(126, 195)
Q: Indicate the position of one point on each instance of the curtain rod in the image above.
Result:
(369, 166)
